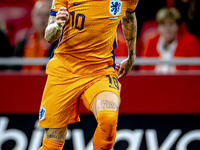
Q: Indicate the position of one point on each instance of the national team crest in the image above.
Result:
(115, 7)
(42, 113)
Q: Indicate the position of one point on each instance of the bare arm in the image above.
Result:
(54, 29)
(129, 27)
(51, 33)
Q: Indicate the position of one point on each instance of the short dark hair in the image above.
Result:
(168, 13)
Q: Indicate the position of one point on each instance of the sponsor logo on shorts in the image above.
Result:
(42, 113)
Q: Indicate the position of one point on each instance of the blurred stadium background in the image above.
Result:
(159, 110)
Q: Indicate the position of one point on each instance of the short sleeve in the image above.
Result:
(56, 4)
(132, 5)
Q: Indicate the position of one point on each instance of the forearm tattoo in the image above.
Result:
(107, 105)
(51, 33)
(129, 26)
(52, 21)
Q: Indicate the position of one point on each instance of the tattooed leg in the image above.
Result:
(105, 108)
(58, 134)
(105, 101)
(107, 105)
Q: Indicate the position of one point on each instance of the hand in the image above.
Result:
(124, 67)
(62, 16)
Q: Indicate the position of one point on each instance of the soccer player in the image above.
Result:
(82, 67)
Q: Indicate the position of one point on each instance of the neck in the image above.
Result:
(167, 43)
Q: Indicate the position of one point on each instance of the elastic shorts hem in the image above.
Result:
(59, 126)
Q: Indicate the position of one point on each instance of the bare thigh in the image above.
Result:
(105, 101)
(56, 134)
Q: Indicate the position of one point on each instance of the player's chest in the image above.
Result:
(111, 8)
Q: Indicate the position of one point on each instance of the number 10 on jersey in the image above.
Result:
(78, 20)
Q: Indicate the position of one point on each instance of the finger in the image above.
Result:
(120, 71)
(62, 9)
(62, 12)
(67, 16)
(61, 22)
(62, 16)
(117, 66)
(122, 75)
(61, 19)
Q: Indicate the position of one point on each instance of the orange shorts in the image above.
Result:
(61, 96)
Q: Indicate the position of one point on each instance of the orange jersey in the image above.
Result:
(89, 37)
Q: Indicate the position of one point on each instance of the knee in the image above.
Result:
(48, 144)
(107, 121)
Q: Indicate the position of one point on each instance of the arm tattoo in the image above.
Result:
(51, 33)
(129, 26)
(52, 21)
(107, 105)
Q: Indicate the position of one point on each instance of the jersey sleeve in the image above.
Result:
(132, 5)
(56, 4)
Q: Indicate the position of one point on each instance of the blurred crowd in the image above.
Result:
(27, 21)
(167, 29)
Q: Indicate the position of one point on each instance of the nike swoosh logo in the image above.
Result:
(76, 4)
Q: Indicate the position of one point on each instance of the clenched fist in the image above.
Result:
(62, 16)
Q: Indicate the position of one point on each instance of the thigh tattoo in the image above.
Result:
(107, 105)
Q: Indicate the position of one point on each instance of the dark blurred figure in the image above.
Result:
(6, 49)
(171, 41)
(143, 6)
(147, 9)
(34, 44)
(190, 11)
